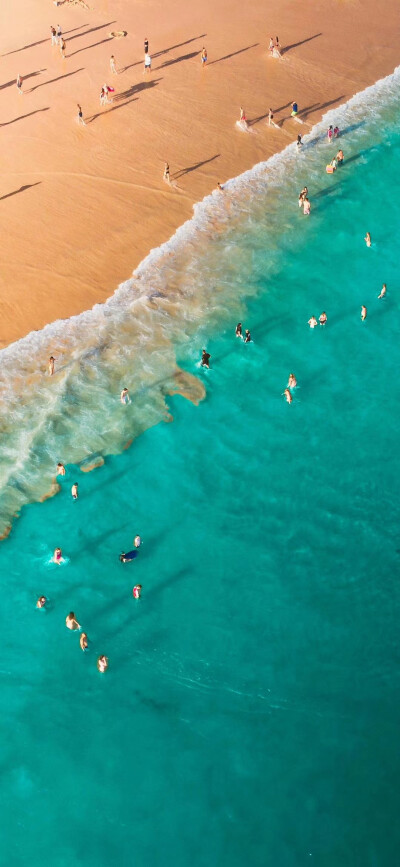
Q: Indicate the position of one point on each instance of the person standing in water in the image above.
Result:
(41, 602)
(287, 395)
(367, 239)
(124, 398)
(74, 491)
(60, 470)
(239, 331)
(247, 336)
(51, 365)
(299, 143)
(137, 591)
(102, 663)
(383, 291)
(57, 556)
(312, 322)
(80, 115)
(363, 312)
(83, 642)
(306, 207)
(323, 318)
(205, 359)
(71, 621)
(292, 382)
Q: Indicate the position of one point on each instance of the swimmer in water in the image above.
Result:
(340, 157)
(239, 332)
(247, 336)
(205, 359)
(83, 641)
(323, 318)
(288, 397)
(60, 471)
(383, 291)
(71, 621)
(363, 312)
(124, 396)
(367, 239)
(292, 381)
(41, 602)
(51, 365)
(137, 541)
(57, 556)
(312, 322)
(102, 663)
(74, 491)
(137, 591)
(128, 557)
(306, 207)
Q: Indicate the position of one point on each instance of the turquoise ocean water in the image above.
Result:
(250, 713)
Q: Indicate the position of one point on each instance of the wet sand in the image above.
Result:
(81, 207)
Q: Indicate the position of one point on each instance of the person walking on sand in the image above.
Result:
(80, 115)
(383, 291)
(204, 56)
(59, 33)
(51, 365)
(62, 47)
(271, 121)
(147, 63)
(166, 176)
(277, 47)
(146, 46)
(243, 119)
(113, 67)
(19, 84)
(103, 97)
(363, 312)
(271, 46)
(53, 35)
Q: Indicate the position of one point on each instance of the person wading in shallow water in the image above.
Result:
(205, 359)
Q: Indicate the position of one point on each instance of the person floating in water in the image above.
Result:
(312, 322)
(323, 318)
(363, 312)
(205, 359)
(137, 541)
(74, 491)
(247, 336)
(102, 663)
(83, 641)
(292, 381)
(137, 591)
(57, 556)
(71, 621)
(41, 602)
(60, 471)
(383, 291)
(287, 395)
(367, 239)
(124, 397)
(238, 331)
(130, 555)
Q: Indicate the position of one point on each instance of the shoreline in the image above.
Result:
(80, 272)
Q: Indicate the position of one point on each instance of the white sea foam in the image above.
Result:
(188, 283)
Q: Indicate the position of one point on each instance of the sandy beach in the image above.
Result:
(82, 206)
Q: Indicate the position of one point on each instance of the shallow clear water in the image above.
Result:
(250, 712)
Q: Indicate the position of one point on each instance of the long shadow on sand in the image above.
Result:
(297, 44)
(42, 41)
(234, 53)
(136, 88)
(25, 78)
(178, 59)
(86, 48)
(22, 116)
(20, 190)
(104, 113)
(181, 172)
(52, 80)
